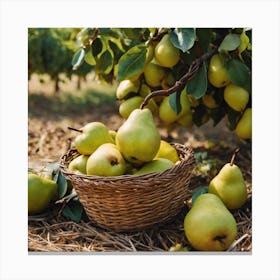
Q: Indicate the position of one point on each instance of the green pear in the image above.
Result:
(156, 165)
(186, 120)
(229, 185)
(113, 134)
(153, 74)
(168, 115)
(166, 54)
(79, 164)
(167, 151)
(244, 126)
(41, 191)
(91, 136)
(217, 72)
(133, 103)
(209, 101)
(107, 160)
(127, 87)
(138, 138)
(209, 225)
(236, 97)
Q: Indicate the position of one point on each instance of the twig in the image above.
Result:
(180, 83)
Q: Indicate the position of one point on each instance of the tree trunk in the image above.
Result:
(56, 86)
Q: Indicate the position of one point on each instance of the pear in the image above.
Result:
(178, 248)
(209, 225)
(107, 160)
(126, 87)
(156, 165)
(153, 74)
(168, 115)
(138, 138)
(186, 120)
(236, 97)
(244, 126)
(79, 164)
(133, 103)
(41, 191)
(229, 185)
(166, 54)
(209, 101)
(113, 134)
(91, 136)
(217, 73)
(167, 151)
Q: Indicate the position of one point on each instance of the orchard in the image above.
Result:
(151, 151)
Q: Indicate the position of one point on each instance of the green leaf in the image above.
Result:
(238, 72)
(89, 59)
(197, 86)
(198, 192)
(233, 118)
(174, 102)
(62, 184)
(105, 63)
(183, 38)
(217, 115)
(96, 47)
(204, 36)
(73, 210)
(132, 62)
(78, 58)
(230, 43)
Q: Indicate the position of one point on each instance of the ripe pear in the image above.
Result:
(209, 225)
(91, 137)
(217, 73)
(107, 160)
(138, 138)
(79, 164)
(244, 126)
(167, 151)
(153, 74)
(126, 87)
(133, 103)
(186, 120)
(236, 97)
(168, 81)
(166, 54)
(229, 185)
(156, 165)
(41, 191)
(167, 114)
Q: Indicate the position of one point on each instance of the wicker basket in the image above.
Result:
(130, 202)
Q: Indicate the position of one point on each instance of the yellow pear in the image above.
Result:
(244, 126)
(167, 114)
(166, 54)
(236, 97)
(186, 120)
(153, 74)
(127, 87)
(209, 101)
(217, 73)
(244, 41)
(167, 151)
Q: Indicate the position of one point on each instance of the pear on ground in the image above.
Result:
(91, 136)
(79, 164)
(167, 114)
(167, 151)
(138, 138)
(156, 165)
(244, 126)
(236, 97)
(209, 225)
(41, 191)
(229, 185)
(217, 72)
(166, 54)
(127, 87)
(107, 160)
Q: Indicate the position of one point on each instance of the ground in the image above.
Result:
(49, 117)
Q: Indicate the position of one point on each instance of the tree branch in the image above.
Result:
(180, 83)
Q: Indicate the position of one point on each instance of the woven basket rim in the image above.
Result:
(63, 166)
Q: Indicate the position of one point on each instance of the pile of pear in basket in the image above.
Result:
(130, 179)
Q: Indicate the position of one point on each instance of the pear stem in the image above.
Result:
(75, 129)
(234, 155)
(180, 83)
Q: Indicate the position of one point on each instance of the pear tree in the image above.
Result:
(211, 66)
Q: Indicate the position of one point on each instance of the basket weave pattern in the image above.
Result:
(133, 202)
